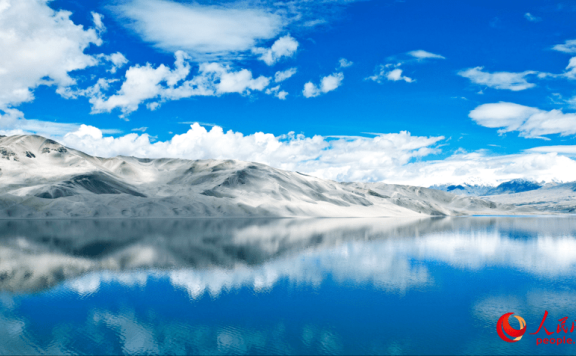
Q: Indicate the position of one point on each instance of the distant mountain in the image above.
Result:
(39, 178)
(509, 187)
(464, 189)
(557, 197)
(515, 186)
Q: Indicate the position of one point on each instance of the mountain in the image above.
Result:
(555, 197)
(40, 178)
(464, 189)
(515, 186)
(509, 187)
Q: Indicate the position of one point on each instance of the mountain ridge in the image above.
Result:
(40, 178)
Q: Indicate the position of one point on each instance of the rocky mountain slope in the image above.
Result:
(39, 178)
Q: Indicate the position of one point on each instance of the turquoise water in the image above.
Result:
(318, 286)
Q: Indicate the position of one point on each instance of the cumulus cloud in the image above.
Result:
(204, 31)
(327, 84)
(283, 47)
(421, 54)
(396, 75)
(530, 122)
(158, 84)
(499, 80)
(390, 72)
(39, 46)
(567, 47)
(531, 17)
(281, 76)
(343, 158)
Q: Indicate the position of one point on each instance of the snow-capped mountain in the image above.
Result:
(515, 186)
(509, 187)
(40, 178)
(464, 189)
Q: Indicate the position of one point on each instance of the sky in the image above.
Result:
(408, 92)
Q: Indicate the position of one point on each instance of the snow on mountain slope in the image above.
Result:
(551, 197)
(40, 178)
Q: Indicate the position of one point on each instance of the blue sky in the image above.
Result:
(484, 88)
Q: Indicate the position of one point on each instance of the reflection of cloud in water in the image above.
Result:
(215, 258)
(215, 255)
(387, 264)
(356, 263)
(543, 255)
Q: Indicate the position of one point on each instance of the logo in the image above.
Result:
(508, 333)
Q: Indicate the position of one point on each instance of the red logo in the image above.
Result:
(508, 333)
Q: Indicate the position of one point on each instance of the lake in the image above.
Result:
(286, 286)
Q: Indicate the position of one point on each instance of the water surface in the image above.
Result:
(284, 286)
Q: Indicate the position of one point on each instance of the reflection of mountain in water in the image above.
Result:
(212, 254)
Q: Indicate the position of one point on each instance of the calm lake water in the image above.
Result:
(285, 286)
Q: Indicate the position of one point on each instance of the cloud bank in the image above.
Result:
(393, 158)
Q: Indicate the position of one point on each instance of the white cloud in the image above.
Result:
(204, 31)
(39, 46)
(116, 59)
(532, 18)
(98, 21)
(485, 168)
(530, 122)
(499, 80)
(561, 149)
(344, 63)
(390, 72)
(281, 76)
(421, 54)
(145, 83)
(567, 47)
(283, 47)
(344, 158)
(570, 71)
(327, 84)
(280, 94)
(396, 75)
(14, 123)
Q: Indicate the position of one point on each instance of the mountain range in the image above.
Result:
(509, 187)
(40, 178)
